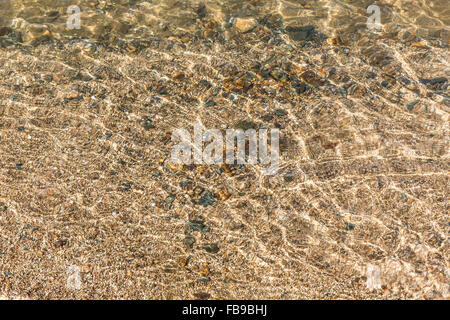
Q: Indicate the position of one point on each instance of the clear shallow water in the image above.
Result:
(85, 137)
(144, 18)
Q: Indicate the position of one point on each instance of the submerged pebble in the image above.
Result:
(245, 25)
(211, 247)
(196, 225)
(189, 241)
(207, 199)
(412, 104)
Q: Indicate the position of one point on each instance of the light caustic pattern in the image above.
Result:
(358, 209)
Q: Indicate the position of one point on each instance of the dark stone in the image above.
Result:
(202, 295)
(265, 73)
(184, 184)
(19, 166)
(247, 80)
(332, 72)
(207, 199)
(350, 226)
(126, 186)
(405, 80)
(82, 76)
(60, 243)
(205, 279)
(215, 91)
(288, 178)
(211, 247)
(256, 66)
(53, 14)
(384, 83)
(4, 31)
(163, 90)
(148, 123)
(371, 75)
(406, 35)
(346, 79)
(205, 83)
(179, 76)
(196, 225)
(236, 226)
(279, 75)
(438, 80)
(311, 77)
(305, 33)
(169, 199)
(272, 21)
(433, 81)
(245, 125)
(201, 11)
(210, 103)
(300, 87)
(189, 241)
(280, 112)
(412, 104)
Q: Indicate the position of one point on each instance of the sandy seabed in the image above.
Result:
(91, 206)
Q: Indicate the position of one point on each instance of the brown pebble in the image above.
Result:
(36, 32)
(245, 25)
(5, 31)
(202, 295)
(420, 44)
(60, 243)
(183, 261)
(173, 166)
(179, 76)
(224, 195)
(204, 270)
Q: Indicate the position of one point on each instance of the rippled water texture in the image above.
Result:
(92, 207)
(143, 18)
